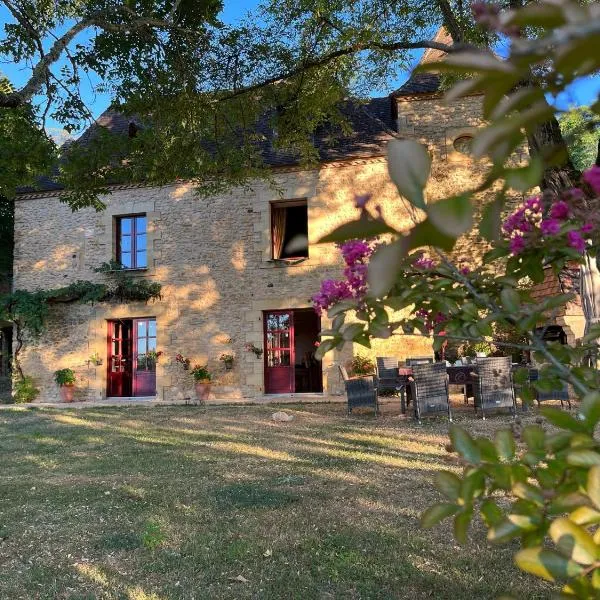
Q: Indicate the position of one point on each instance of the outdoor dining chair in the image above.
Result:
(561, 394)
(429, 390)
(360, 391)
(388, 379)
(419, 360)
(494, 385)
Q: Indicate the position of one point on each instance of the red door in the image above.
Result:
(119, 358)
(279, 352)
(144, 363)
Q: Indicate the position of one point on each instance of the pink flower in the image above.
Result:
(592, 178)
(517, 244)
(550, 226)
(576, 241)
(560, 210)
(317, 344)
(423, 263)
(587, 228)
(464, 270)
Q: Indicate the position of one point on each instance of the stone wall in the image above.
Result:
(212, 257)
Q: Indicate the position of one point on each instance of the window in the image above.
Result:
(289, 230)
(464, 144)
(5, 351)
(131, 242)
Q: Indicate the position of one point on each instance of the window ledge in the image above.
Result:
(132, 270)
(289, 262)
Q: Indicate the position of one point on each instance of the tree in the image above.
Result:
(581, 130)
(206, 96)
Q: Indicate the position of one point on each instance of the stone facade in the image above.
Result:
(213, 258)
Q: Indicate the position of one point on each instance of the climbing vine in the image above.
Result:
(28, 310)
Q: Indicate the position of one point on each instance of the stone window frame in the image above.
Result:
(123, 209)
(288, 203)
(453, 134)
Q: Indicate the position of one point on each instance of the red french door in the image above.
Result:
(120, 374)
(132, 357)
(279, 352)
(144, 363)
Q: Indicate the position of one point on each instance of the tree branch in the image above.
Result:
(450, 21)
(308, 64)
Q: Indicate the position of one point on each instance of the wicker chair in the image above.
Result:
(419, 360)
(360, 391)
(562, 394)
(388, 379)
(429, 390)
(494, 385)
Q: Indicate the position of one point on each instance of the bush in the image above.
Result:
(25, 390)
(362, 365)
(64, 377)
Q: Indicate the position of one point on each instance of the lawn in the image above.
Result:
(221, 502)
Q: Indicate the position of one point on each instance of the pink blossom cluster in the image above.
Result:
(592, 178)
(423, 263)
(431, 319)
(530, 222)
(522, 222)
(356, 254)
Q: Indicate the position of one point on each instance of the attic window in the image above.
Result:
(464, 145)
(289, 230)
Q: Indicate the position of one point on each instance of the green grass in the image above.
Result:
(179, 502)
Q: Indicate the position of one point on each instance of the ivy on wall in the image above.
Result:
(28, 310)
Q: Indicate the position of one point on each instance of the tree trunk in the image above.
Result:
(547, 142)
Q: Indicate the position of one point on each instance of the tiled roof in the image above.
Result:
(426, 83)
(371, 122)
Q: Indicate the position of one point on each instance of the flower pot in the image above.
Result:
(66, 392)
(202, 390)
(228, 366)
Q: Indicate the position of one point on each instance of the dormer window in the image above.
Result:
(289, 230)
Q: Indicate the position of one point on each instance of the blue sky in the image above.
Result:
(581, 93)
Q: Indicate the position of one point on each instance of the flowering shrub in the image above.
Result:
(356, 255)
(250, 347)
(544, 492)
(362, 365)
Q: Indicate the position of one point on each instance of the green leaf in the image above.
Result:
(510, 299)
(534, 436)
(573, 541)
(384, 267)
(593, 485)
(505, 444)
(563, 420)
(472, 486)
(521, 376)
(583, 458)
(452, 216)
(491, 512)
(436, 513)
(448, 483)
(584, 515)
(461, 524)
(426, 233)
(352, 330)
(590, 408)
(365, 227)
(525, 178)
(464, 445)
(529, 492)
(409, 164)
(546, 564)
(489, 226)
(512, 526)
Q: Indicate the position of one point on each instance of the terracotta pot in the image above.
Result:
(67, 392)
(202, 390)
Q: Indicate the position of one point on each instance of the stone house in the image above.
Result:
(230, 277)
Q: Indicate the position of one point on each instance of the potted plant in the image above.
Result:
(362, 365)
(227, 359)
(65, 379)
(202, 377)
(183, 361)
